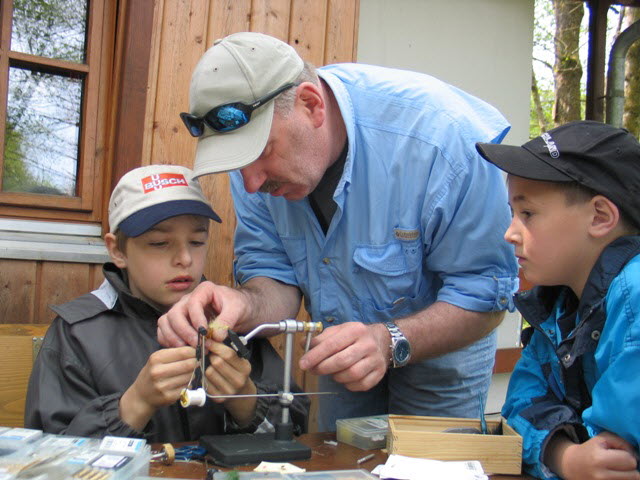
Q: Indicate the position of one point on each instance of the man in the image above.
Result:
(364, 194)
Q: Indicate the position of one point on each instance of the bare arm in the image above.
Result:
(269, 301)
(358, 355)
(442, 328)
(258, 301)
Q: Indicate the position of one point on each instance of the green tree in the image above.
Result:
(567, 67)
(631, 117)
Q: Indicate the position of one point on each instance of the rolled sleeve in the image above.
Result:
(464, 229)
(259, 252)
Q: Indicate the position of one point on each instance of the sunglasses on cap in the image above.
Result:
(227, 117)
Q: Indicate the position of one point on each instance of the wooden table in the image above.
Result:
(323, 457)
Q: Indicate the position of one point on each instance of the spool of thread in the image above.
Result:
(196, 398)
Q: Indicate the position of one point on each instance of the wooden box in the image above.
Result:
(499, 452)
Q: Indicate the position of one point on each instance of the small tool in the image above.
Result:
(366, 458)
(166, 455)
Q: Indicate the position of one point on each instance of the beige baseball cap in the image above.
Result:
(146, 196)
(241, 67)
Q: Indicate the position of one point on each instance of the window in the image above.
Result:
(54, 58)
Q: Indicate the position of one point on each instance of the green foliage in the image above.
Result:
(50, 28)
(546, 100)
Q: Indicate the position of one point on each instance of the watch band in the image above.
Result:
(396, 337)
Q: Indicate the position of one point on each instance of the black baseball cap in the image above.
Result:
(599, 156)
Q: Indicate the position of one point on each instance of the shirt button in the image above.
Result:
(503, 301)
(330, 319)
(326, 260)
(595, 334)
(567, 357)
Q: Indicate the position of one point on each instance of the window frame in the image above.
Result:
(87, 204)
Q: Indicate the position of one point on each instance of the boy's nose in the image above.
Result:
(183, 256)
(511, 235)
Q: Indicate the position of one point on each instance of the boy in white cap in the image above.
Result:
(575, 195)
(101, 370)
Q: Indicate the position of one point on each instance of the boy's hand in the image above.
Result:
(159, 383)
(605, 456)
(228, 374)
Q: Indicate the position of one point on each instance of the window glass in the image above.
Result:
(42, 133)
(50, 28)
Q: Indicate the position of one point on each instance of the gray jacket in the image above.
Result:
(93, 352)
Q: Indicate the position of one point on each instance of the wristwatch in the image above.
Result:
(400, 347)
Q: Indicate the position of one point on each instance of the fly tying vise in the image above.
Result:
(194, 395)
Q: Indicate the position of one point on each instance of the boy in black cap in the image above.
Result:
(101, 371)
(574, 394)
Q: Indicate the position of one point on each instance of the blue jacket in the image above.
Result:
(579, 371)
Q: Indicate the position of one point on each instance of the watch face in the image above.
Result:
(402, 352)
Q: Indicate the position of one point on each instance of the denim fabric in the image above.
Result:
(451, 385)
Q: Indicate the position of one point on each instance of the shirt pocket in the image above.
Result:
(389, 280)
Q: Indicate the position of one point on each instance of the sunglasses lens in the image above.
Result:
(226, 118)
(193, 124)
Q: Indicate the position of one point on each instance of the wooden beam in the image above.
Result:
(132, 89)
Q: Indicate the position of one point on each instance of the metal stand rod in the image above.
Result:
(288, 355)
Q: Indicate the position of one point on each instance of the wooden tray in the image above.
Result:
(424, 437)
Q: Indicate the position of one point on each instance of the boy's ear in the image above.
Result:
(118, 257)
(309, 98)
(605, 216)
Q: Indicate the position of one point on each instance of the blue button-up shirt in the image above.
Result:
(420, 215)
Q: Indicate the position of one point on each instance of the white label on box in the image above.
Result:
(122, 445)
(65, 442)
(82, 458)
(110, 461)
(21, 434)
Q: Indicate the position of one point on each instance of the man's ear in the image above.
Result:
(118, 257)
(309, 98)
(605, 216)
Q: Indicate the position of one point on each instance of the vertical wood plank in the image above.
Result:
(227, 17)
(59, 283)
(271, 17)
(342, 31)
(17, 291)
(307, 32)
(95, 276)
(220, 257)
(182, 42)
(16, 345)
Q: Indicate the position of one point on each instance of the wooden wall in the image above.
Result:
(152, 88)
(322, 31)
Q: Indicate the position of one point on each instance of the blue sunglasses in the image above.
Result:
(227, 117)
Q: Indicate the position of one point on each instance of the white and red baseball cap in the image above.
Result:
(146, 196)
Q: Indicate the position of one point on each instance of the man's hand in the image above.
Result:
(357, 355)
(159, 383)
(179, 325)
(605, 456)
(228, 374)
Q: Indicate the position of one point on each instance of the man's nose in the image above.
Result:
(253, 178)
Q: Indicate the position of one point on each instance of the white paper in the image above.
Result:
(408, 468)
(274, 467)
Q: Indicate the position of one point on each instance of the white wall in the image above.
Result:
(481, 46)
